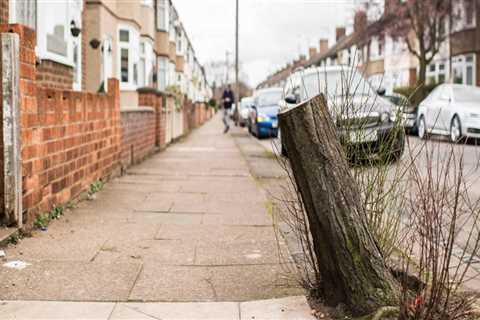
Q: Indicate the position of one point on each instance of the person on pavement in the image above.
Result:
(228, 99)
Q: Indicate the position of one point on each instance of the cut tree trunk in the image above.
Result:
(353, 271)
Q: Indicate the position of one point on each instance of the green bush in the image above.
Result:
(416, 94)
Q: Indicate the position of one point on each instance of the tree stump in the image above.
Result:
(353, 271)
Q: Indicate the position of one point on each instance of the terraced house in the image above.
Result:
(387, 62)
(81, 43)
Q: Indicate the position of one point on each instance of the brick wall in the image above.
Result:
(51, 74)
(154, 99)
(69, 139)
(3, 11)
(138, 135)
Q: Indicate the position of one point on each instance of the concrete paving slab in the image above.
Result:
(71, 281)
(277, 309)
(148, 252)
(240, 219)
(29, 310)
(239, 253)
(177, 311)
(170, 218)
(214, 233)
(253, 282)
(173, 284)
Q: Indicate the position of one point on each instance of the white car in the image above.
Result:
(451, 110)
(245, 105)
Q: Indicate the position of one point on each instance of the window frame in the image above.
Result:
(133, 48)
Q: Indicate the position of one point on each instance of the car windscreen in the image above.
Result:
(268, 99)
(336, 84)
(467, 94)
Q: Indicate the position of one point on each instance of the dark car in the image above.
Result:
(263, 118)
(367, 124)
(408, 111)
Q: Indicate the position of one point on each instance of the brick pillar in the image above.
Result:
(10, 158)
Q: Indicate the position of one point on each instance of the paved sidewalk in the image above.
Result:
(188, 225)
(291, 308)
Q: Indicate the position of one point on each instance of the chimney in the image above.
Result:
(360, 21)
(303, 57)
(340, 33)
(323, 46)
(312, 52)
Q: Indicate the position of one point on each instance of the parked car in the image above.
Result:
(263, 121)
(231, 112)
(451, 110)
(245, 105)
(407, 111)
(366, 123)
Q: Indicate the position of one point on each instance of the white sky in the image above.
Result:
(272, 32)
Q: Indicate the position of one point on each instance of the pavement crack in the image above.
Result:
(144, 313)
(212, 287)
(136, 280)
(98, 251)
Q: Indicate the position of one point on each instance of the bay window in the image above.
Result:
(162, 73)
(128, 57)
(163, 15)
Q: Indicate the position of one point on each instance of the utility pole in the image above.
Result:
(237, 84)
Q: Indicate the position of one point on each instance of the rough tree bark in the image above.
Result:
(352, 268)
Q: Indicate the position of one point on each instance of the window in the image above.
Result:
(163, 15)
(162, 73)
(148, 3)
(470, 13)
(124, 63)
(464, 69)
(179, 41)
(142, 73)
(128, 58)
(437, 72)
(23, 12)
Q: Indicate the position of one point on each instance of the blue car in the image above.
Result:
(263, 119)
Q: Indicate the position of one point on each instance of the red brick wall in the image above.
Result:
(154, 99)
(3, 11)
(69, 139)
(51, 74)
(138, 135)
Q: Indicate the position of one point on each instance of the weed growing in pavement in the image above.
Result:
(96, 187)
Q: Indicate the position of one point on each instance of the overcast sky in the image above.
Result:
(272, 32)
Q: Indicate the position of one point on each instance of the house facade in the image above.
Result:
(82, 43)
(387, 62)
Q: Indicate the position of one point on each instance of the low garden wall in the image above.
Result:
(69, 140)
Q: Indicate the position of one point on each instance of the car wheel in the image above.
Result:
(455, 130)
(422, 128)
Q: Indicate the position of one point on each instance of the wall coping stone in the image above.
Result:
(136, 109)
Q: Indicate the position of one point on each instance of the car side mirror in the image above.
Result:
(290, 99)
(381, 91)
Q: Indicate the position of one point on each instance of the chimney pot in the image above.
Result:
(340, 33)
(323, 46)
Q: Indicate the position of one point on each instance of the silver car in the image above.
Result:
(366, 123)
(244, 111)
(451, 110)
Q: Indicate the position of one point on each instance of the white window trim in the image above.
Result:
(133, 56)
(464, 64)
